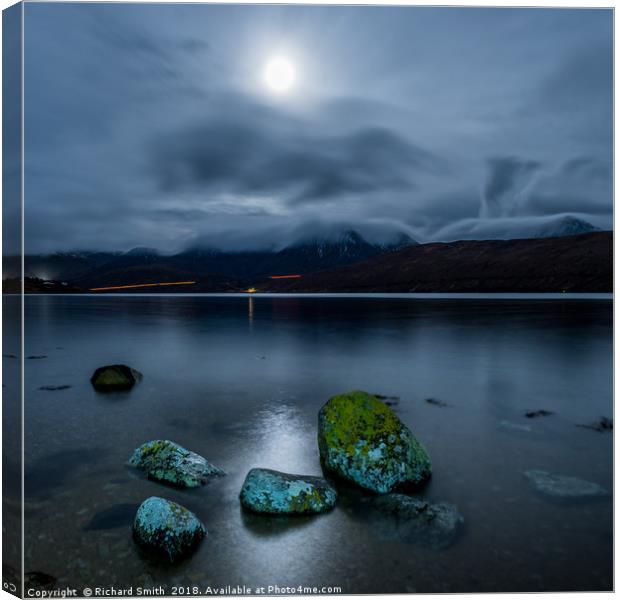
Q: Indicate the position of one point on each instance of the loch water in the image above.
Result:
(240, 380)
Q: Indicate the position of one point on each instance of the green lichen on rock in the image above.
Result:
(272, 492)
(168, 462)
(114, 378)
(167, 530)
(362, 440)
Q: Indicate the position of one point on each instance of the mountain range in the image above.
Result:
(335, 262)
(90, 269)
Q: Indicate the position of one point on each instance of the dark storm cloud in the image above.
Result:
(255, 158)
(584, 75)
(149, 124)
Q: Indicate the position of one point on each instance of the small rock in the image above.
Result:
(9, 356)
(435, 402)
(564, 487)
(389, 400)
(272, 492)
(417, 521)
(532, 414)
(114, 378)
(36, 356)
(54, 388)
(168, 462)
(363, 441)
(166, 529)
(39, 581)
(602, 425)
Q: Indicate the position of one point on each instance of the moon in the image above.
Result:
(279, 74)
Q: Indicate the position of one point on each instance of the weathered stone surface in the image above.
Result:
(112, 378)
(564, 487)
(273, 492)
(166, 529)
(416, 521)
(168, 462)
(363, 441)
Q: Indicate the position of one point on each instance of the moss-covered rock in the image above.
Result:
(113, 378)
(168, 462)
(167, 530)
(415, 521)
(271, 492)
(362, 440)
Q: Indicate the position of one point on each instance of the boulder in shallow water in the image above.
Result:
(363, 441)
(113, 378)
(272, 492)
(416, 521)
(168, 462)
(166, 529)
(564, 487)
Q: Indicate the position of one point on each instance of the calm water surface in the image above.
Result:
(240, 380)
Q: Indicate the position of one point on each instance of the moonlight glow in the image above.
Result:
(279, 74)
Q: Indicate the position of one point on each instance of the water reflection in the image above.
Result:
(281, 432)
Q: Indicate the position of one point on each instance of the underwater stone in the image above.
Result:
(510, 426)
(603, 424)
(272, 492)
(362, 440)
(166, 529)
(168, 462)
(412, 520)
(564, 487)
(113, 378)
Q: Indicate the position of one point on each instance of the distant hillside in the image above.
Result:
(580, 263)
(211, 267)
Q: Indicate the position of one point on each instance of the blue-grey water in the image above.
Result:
(240, 380)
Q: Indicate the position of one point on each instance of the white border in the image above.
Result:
(463, 3)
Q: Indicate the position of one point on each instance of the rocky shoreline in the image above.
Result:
(372, 465)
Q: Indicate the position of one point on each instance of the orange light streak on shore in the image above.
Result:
(285, 277)
(139, 285)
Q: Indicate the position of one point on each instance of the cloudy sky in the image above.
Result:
(153, 125)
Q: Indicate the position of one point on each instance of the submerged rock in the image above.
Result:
(54, 388)
(510, 426)
(166, 529)
(412, 520)
(113, 378)
(602, 425)
(273, 492)
(532, 414)
(389, 400)
(435, 402)
(564, 487)
(168, 462)
(363, 441)
(37, 580)
(115, 516)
